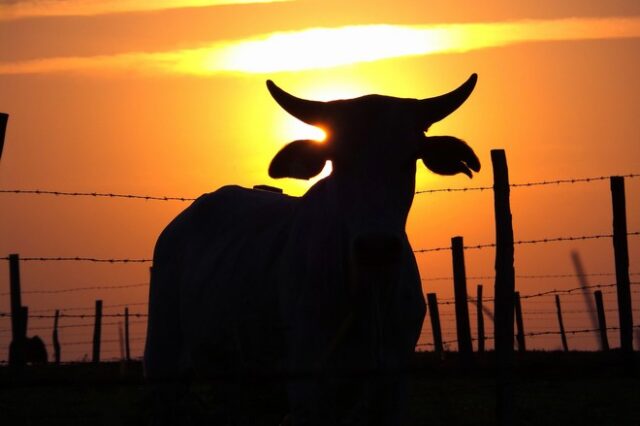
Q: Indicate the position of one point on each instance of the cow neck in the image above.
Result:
(361, 210)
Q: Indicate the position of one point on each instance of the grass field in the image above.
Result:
(550, 388)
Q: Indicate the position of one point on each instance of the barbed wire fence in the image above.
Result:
(444, 302)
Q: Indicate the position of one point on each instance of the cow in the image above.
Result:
(324, 287)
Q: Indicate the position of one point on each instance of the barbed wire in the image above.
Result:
(78, 259)
(102, 341)
(529, 184)
(535, 241)
(73, 289)
(449, 301)
(570, 311)
(529, 276)
(95, 194)
(533, 334)
(425, 250)
(63, 315)
(89, 308)
(184, 199)
(79, 325)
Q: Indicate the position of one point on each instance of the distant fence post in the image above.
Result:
(602, 321)
(56, 342)
(621, 252)
(127, 348)
(18, 329)
(4, 118)
(463, 329)
(480, 319)
(504, 289)
(519, 322)
(584, 283)
(432, 302)
(97, 331)
(563, 336)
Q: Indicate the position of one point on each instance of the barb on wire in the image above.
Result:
(94, 194)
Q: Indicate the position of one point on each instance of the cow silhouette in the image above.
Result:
(322, 288)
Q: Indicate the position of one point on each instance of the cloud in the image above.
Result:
(332, 47)
(17, 9)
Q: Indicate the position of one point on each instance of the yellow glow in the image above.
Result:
(332, 47)
(23, 9)
(295, 130)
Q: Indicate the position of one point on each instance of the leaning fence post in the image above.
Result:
(56, 342)
(621, 252)
(602, 321)
(126, 334)
(519, 322)
(480, 319)
(4, 118)
(563, 336)
(97, 330)
(504, 288)
(16, 355)
(432, 302)
(463, 329)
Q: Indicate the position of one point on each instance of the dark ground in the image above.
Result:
(551, 388)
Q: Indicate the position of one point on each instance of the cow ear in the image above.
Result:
(446, 155)
(302, 159)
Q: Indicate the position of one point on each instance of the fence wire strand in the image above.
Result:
(185, 199)
(529, 184)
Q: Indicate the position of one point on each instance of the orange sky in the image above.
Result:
(139, 97)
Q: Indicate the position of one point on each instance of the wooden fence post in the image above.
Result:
(480, 319)
(504, 289)
(519, 322)
(56, 342)
(432, 302)
(463, 329)
(563, 336)
(97, 331)
(621, 252)
(16, 354)
(126, 335)
(602, 321)
(4, 118)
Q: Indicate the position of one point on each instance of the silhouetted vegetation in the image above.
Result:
(586, 388)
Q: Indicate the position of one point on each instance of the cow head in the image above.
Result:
(373, 143)
(378, 124)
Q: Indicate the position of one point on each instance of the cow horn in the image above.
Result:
(311, 112)
(437, 108)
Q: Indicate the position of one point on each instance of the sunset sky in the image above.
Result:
(168, 98)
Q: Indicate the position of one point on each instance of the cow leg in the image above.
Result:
(163, 348)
